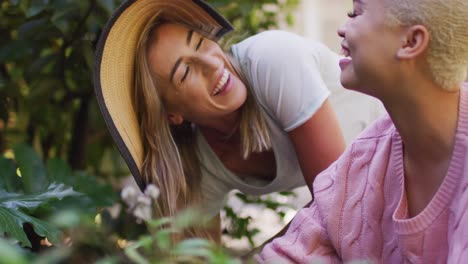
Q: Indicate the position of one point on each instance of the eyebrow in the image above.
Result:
(179, 60)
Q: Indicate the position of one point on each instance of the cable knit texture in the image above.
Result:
(361, 213)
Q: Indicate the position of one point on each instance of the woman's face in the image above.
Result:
(370, 46)
(198, 82)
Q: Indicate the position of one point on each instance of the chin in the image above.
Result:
(346, 82)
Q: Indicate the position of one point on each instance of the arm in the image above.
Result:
(291, 80)
(306, 241)
(318, 142)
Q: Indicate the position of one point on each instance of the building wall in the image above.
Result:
(319, 19)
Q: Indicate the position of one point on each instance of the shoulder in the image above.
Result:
(381, 127)
(275, 45)
(375, 138)
(361, 168)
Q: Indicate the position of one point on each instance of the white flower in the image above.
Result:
(130, 195)
(143, 200)
(140, 204)
(143, 212)
(152, 191)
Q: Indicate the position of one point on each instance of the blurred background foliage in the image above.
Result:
(57, 155)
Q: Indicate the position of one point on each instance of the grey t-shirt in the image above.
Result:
(290, 77)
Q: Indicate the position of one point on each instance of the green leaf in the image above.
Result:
(40, 66)
(194, 247)
(66, 218)
(15, 50)
(108, 5)
(88, 54)
(9, 181)
(11, 223)
(4, 111)
(160, 222)
(63, 18)
(59, 171)
(11, 254)
(37, 6)
(32, 169)
(56, 255)
(101, 194)
(31, 201)
(42, 88)
(12, 217)
(163, 239)
(133, 254)
(29, 29)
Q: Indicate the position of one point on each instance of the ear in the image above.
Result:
(415, 41)
(175, 119)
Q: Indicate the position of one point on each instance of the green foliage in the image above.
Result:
(250, 17)
(239, 226)
(267, 201)
(29, 193)
(46, 62)
(157, 247)
(11, 254)
(47, 101)
(14, 208)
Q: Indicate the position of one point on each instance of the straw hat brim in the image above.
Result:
(114, 66)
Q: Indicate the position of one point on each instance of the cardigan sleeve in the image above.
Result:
(305, 241)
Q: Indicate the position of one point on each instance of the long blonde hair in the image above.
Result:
(170, 153)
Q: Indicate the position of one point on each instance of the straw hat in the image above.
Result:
(113, 73)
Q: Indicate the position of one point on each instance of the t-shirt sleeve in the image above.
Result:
(287, 72)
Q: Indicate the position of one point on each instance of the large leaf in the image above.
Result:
(36, 7)
(9, 181)
(32, 169)
(11, 253)
(30, 202)
(11, 224)
(12, 216)
(59, 171)
(100, 194)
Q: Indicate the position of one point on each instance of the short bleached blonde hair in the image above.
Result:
(447, 23)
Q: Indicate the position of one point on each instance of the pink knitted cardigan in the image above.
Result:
(360, 209)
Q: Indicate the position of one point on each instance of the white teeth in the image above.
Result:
(345, 52)
(221, 82)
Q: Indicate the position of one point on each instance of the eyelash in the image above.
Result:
(188, 67)
(199, 44)
(352, 14)
(185, 74)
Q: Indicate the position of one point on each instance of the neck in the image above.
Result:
(222, 129)
(426, 118)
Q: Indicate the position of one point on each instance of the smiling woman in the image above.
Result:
(399, 193)
(198, 121)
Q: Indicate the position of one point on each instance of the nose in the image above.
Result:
(341, 30)
(208, 63)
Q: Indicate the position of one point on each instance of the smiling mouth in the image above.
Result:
(345, 51)
(221, 85)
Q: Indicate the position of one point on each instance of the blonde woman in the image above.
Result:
(399, 193)
(198, 121)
